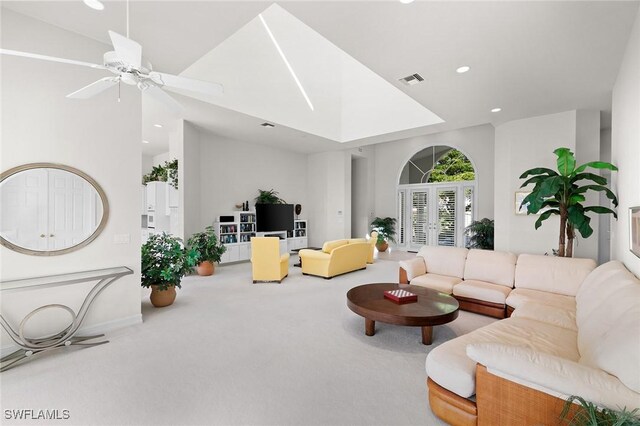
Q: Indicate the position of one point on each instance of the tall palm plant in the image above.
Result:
(559, 193)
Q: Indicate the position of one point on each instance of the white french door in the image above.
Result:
(434, 214)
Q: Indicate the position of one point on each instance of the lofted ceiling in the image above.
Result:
(527, 57)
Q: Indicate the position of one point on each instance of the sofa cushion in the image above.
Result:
(450, 367)
(480, 290)
(444, 260)
(495, 267)
(441, 283)
(519, 296)
(561, 275)
(608, 316)
(328, 246)
(565, 318)
(357, 240)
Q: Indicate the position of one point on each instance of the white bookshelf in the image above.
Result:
(236, 236)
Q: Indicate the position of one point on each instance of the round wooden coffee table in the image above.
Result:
(432, 308)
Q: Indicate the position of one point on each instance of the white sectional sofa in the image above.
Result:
(521, 369)
(483, 281)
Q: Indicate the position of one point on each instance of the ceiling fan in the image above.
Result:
(126, 63)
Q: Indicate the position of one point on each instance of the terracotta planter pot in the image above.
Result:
(382, 247)
(205, 268)
(161, 298)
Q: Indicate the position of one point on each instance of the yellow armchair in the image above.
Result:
(372, 242)
(266, 262)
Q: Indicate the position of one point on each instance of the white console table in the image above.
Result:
(31, 347)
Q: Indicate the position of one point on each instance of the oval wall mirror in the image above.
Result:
(48, 209)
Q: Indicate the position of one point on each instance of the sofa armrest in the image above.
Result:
(553, 375)
(284, 257)
(313, 254)
(414, 267)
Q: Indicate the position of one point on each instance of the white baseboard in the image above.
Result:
(101, 328)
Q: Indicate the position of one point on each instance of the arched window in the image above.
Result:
(436, 201)
(437, 164)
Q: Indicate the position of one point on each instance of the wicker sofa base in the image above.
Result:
(498, 402)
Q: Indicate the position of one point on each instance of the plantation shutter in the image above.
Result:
(468, 211)
(401, 217)
(419, 217)
(447, 217)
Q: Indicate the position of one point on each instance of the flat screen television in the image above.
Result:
(274, 217)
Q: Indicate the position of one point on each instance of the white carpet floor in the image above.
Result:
(230, 352)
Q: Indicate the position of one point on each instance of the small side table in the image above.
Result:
(297, 251)
(32, 347)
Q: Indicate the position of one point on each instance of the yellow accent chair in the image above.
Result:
(371, 241)
(267, 263)
(336, 258)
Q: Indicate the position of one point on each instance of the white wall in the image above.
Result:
(625, 147)
(476, 142)
(190, 187)
(528, 143)
(231, 172)
(98, 136)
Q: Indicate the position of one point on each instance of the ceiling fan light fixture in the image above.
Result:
(94, 4)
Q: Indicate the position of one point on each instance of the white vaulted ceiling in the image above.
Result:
(527, 57)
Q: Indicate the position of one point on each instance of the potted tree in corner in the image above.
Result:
(209, 251)
(480, 234)
(563, 193)
(164, 262)
(386, 228)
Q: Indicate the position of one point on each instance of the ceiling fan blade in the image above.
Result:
(128, 51)
(94, 88)
(177, 82)
(163, 97)
(49, 58)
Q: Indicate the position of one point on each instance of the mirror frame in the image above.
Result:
(89, 239)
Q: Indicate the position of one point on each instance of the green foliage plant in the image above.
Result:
(588, 414)
(454, 166)
(386, 228)
(563, 193)
(206, 245)
(268, 197)
(165, 261)
(167, 172)
(480, 234)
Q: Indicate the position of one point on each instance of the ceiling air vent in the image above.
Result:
(268, 125)
(412, 79)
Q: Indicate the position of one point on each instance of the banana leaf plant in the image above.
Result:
(563, 192)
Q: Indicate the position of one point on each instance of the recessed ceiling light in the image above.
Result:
(267, 125)
(94, 4)
(145, 141)
(158, 126)
(406, 1)
(463, 69)
(496, 110)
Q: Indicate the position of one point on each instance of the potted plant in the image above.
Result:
(588, 414)
(480, 234)
(164, 262)
(268, 197)
(167, 172)
(563, 192)
(206, 245)
(386, 228)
